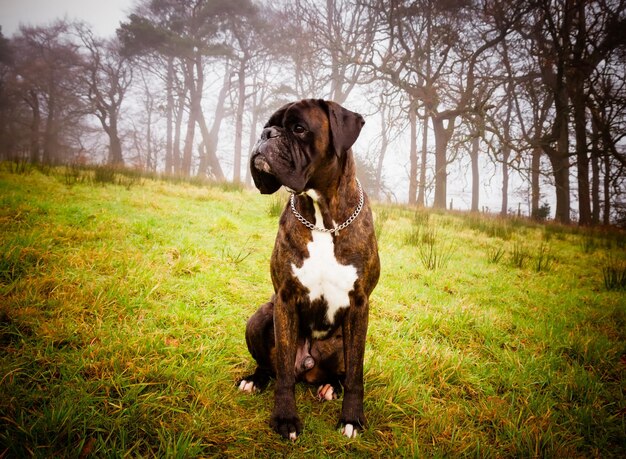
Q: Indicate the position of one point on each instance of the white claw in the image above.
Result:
(349, 431)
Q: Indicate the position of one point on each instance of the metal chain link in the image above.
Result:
(336, 229)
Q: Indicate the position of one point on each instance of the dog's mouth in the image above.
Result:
(270, 172)
(264, 177)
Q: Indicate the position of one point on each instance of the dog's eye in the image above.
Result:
(298, 129)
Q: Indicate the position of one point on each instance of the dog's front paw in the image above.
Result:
(353, 423)
(349, 431)
(289, 427)
(352, 418)
(351, 428)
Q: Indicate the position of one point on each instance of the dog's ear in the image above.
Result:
(345, 126)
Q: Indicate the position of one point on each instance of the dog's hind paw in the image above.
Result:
(326, 392)
(247, 386)
(256, 382)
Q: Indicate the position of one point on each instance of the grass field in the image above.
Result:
(123, 308)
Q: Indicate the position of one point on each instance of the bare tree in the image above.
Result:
(420, 50)
(44, 75)
(607, 104)
(598, 28)
(107, 76)
(568, 39)
(190, 32)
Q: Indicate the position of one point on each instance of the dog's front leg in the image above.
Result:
(354, 333)
(285, 420)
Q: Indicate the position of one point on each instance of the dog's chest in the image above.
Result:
(323, 275)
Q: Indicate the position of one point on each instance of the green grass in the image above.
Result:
(123, 309)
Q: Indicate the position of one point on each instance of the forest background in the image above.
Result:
(522, 102)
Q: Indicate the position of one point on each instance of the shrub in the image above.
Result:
(588, 244)
(72, 174)
(542, 213)
(495, 254)
(519, 255)
(544, 259)
(434, 254)
(413, 237)
(104, 174)
(614, 273)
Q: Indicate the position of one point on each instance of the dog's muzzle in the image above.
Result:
(261, 164)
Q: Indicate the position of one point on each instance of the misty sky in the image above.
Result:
(103, 15)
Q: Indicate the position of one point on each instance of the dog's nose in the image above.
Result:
(269, 133)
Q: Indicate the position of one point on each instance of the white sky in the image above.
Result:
(103, 15)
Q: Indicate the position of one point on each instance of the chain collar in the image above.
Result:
(336, 229)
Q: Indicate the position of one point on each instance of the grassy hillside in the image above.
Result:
(123, 308)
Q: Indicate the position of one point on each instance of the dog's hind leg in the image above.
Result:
(260, 341)
(329, 371)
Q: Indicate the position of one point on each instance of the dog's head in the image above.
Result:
(301, 142)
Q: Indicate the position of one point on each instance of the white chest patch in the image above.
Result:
(323, 275)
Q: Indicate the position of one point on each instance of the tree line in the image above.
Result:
(536, 88)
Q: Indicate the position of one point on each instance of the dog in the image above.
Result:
(324, 265)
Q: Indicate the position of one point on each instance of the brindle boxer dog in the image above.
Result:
(324, 264)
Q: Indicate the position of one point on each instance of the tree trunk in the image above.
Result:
(582, 157)
(49, 140)
(185, 167)
(115, 151)
(421, 193)
(34, 129)
(475, 173)
(195, 99)
(561, 176)
(606, 217)
(413, 155)
(442, 137)
(535, 170)
(209, 159)
(176, 157)
(115, 146)
(506, 154)
(595, 174)
(241, 100)
(575, 77)
(559, 156)
(560, 171)
(210, 143)
(169, 160)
